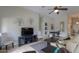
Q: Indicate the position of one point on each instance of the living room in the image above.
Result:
(39, 19)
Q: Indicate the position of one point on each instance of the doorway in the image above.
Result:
(73, 24)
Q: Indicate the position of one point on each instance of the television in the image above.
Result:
(26, 31)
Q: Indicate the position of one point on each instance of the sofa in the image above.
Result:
(44, 47)
(73, 44)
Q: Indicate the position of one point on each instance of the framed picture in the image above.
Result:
(62, 26)
(46, 28)
(52, 27)
(19, 21)
(45, 23)
(45, 32)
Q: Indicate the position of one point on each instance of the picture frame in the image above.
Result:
(45, 23)
(46, 28)
(45, 32)
(62, 26)
(52, 27)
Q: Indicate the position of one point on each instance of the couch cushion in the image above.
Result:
(52, 49)
(49, 49)
(70, 46)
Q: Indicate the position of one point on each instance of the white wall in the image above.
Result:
(57, 20)
(0, 24)
(11, 15)
(49, 21)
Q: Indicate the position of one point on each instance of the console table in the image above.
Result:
(55, 34)
(26, 39)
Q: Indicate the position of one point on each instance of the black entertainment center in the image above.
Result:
(26, 31)
(27, 36)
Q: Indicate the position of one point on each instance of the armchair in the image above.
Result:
(5, 40)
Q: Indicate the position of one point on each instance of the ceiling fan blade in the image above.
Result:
(50, 9)
(62, 8)
(51, 12)
(43, 6)
(56, 9)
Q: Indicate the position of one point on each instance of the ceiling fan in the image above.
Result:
(56, 9)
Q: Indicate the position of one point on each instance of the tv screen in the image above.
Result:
(26, 31)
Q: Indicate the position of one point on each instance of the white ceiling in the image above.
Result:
(45, 11)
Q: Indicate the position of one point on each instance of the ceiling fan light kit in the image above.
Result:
(56, 9)
(57, 12)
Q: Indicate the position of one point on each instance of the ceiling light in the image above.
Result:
(56, 11)
(0, 34)
(77, 22)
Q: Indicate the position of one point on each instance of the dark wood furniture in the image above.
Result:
(6, 47)
(27, 39)
(55, 33)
